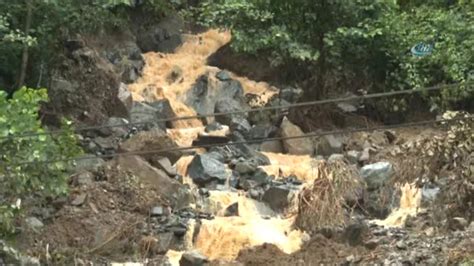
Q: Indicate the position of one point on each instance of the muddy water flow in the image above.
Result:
(223, 237)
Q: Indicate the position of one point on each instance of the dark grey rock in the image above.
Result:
(278, 197)
(193, 258)
(204, 140)
(261, 132)
(354, 233)
(204, 192)
(232, 210)
(227, 105)
(116, 127)
(291, 95)
(246, 167)
(204, 168)
(248, 184)
(240, 124)
(175, 75)
(178, 231)
(211, 97)
(164, 111)
(146, 116)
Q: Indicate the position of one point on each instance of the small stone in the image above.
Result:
(157, 211)
(372, 244)
(84, 178)
(401, 245)
(214, 126)
(254, 193)
(353, 156)
(346, 107)
(335, 157)
(204, 192)
(350, 258)
(34, 223)
(458, 223)
(223, 75)
(193, 258)
(79, 200)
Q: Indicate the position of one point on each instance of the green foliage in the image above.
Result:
(19, 180)
(362, 44)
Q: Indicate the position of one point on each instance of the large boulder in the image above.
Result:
(205, 168)
(208, 91)
(177, 194)
(85, 88)
(227, 105)
(151, 115)
(300, 146)
(122, 51)
(153, 141)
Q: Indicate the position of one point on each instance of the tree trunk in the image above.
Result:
(24, 57)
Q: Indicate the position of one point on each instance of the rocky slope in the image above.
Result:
(236, 204)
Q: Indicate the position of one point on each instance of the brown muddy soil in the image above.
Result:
(319, 250)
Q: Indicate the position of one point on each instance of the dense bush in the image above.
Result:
(362, 44)
(19, 180)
